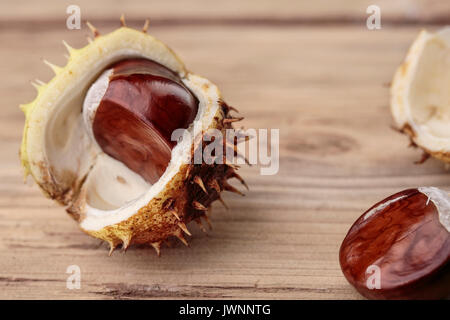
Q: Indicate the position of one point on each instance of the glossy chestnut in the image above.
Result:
(143, 104)
(400, 248)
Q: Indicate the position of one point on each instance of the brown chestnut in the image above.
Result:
(400, 247)
(132, 110)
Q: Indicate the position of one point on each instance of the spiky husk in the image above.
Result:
(186, 197)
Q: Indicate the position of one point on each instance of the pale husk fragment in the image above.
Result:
(404, 93)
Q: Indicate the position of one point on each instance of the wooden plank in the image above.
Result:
(197, 11)
(323, 87)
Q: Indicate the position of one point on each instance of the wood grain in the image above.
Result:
(324, 87)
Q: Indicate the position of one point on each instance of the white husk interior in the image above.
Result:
(441, 200)
(421, 91)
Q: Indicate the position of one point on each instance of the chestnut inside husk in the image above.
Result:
(97, 139)
(143, 104)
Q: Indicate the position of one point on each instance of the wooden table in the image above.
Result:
(310, 68)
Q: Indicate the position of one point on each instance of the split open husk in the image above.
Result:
(420, 95)
(108, 200)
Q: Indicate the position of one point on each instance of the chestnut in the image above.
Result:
(400, 247)
(132, 110)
